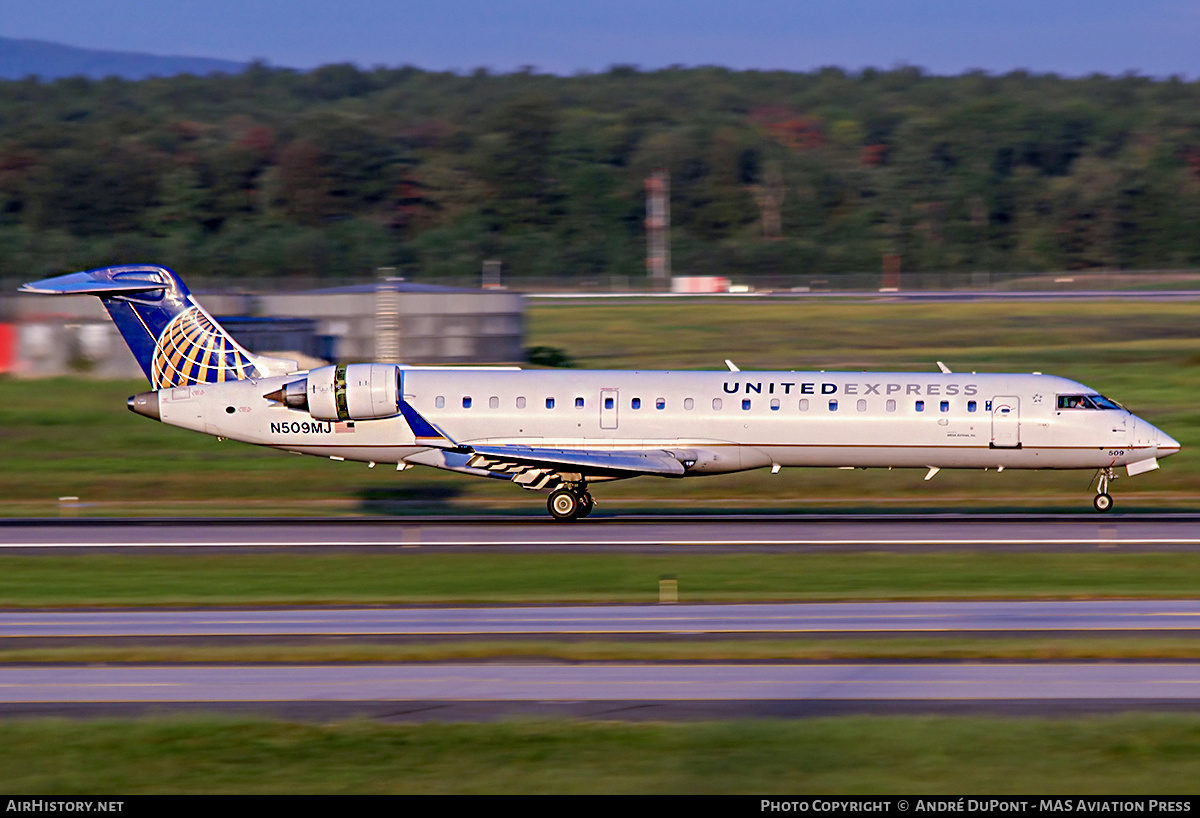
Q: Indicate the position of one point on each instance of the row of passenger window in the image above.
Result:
(717, 404)
(860, 405)
(494, 403)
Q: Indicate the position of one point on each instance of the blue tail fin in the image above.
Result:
(174, 340)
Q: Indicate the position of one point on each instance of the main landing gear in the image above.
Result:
(570, 503)
(1104, 501)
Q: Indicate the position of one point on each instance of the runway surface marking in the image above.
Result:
(1010, 616)
(593, 682)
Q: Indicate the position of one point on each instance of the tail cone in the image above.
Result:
(145, 404)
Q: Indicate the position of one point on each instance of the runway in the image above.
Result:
(1009, 617)
(893, 532)
(671, 690)
(606, 689)
(611, 690)
(609, 681)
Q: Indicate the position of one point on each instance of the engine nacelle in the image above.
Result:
(345, 392)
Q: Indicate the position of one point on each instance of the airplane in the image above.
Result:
(561, 431)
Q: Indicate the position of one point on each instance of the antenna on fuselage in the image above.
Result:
(945, 369)
(732, 366)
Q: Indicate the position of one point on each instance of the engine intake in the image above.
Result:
(345, 392)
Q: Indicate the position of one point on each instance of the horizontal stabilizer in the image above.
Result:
(88, 284)
(170, 335)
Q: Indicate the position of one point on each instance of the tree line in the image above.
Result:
(338, 171)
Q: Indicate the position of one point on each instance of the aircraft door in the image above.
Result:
(608, 408)
(1006, 422)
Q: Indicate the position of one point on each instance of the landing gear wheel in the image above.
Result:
(564, 504)
(586, 504)
(1104, 501)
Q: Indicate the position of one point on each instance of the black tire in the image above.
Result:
(1103, 503)
(564, 504)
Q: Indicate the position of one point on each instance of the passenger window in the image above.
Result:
(833, 406)
(549, 403)
(608, 403)
(717, 403)
(440, 402)
(520, 403)
(862, 405)
(466, 403)
(891, 406)
(920, 406)
(636, 403)
(745, 404)
(688, 403)
(774, 404)
(660, 403)
(945, 407)
(971, 405)
(804, 404)
(579, 403)
(493, 402)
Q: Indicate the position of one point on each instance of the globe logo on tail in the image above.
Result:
(193, 349)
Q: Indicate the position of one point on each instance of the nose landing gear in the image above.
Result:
(1104, 501)
(570, 503)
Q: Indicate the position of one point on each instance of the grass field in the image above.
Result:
(75, 438)
(1149, 754)
(427, 576)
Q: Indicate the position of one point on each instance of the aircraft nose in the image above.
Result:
(1167, 445)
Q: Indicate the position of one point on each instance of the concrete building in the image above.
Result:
(391, 321)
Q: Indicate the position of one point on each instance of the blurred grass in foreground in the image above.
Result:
(425, 576)
(1127, 754)
(68, 437)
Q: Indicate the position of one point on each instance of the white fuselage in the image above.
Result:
(732, 420)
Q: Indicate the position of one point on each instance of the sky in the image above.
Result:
(1071, 37)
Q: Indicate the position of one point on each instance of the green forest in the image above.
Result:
(335, 172)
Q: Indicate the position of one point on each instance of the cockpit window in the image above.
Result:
(1086, 402)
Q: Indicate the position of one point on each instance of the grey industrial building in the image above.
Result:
(390, 321)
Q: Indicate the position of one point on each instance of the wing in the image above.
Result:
(609, 463)
(535, 467)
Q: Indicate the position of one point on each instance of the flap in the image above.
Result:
(589, 461)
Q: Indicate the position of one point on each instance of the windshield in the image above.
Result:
(1092, 401)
